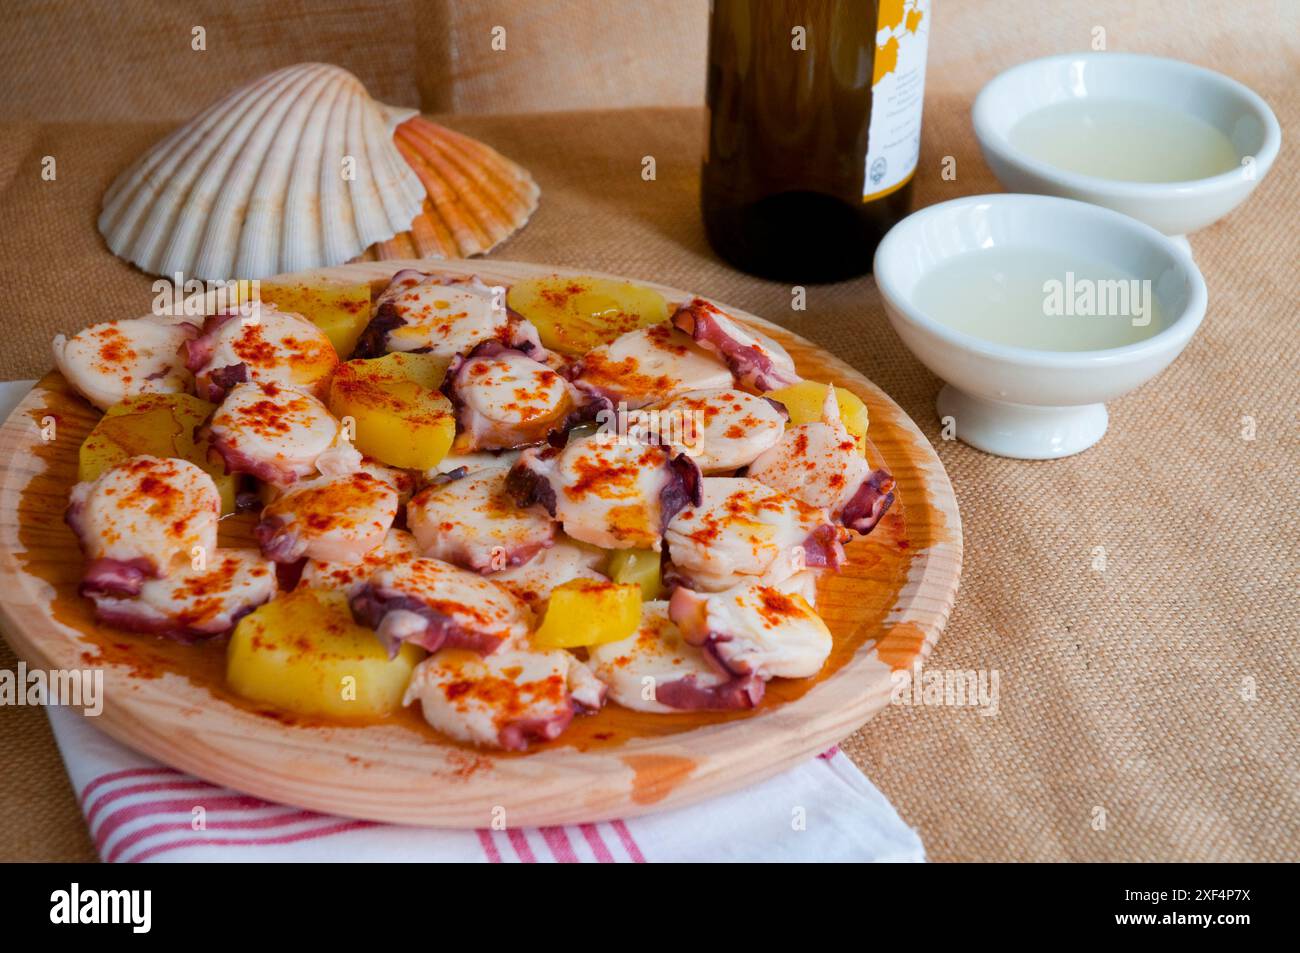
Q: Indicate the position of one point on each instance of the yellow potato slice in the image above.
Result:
(589, 612)
(573, 315)
(401, 417)
(340, 309)
(160, 425)
(303, 652)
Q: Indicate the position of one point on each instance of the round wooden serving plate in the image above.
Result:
(886, 610)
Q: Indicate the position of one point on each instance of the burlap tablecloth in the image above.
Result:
(1148, 709)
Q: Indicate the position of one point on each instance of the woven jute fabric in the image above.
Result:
(1138, 601)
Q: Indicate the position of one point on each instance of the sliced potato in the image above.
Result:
(574, 315)
(639, 567)
(339, 308)
(160, 425)
(402, 419)
(303, 652)
(805, 400)
(589, 612)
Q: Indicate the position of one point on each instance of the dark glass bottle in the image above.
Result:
(814, 130)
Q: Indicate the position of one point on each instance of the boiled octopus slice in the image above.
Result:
(562, 562)
(509, 699)
(434, 604)
(443, 315)
(648, 365)
(656, 670)
(504, 398)
(757, 361)
(109, 362)
(331, 518)
(744, 531)
(721, 430)
(197, 603)
(474, 522)
(754, 630)
(398, 546)
(274, 433)
(820, 463)
(142, 519)
(606, 489)
(263, 344)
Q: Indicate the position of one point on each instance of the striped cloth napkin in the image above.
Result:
(140, 810)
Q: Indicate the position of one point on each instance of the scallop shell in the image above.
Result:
(477, 198)
(257, 184)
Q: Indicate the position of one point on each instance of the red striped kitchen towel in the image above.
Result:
(140, 810)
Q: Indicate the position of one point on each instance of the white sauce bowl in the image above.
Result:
(1017, 401)
(1174, 208)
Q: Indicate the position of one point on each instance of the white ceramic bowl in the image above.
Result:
(1017, 401)
(1174, 208)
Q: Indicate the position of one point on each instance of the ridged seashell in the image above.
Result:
(257, 184)
(477, 198)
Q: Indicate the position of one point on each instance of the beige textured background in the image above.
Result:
(1121, 690)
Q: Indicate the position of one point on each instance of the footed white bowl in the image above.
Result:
(1174, 208)
(1018, 401)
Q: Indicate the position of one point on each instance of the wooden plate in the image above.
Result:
(886, 611)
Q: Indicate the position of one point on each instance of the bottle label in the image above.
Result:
(897, 93)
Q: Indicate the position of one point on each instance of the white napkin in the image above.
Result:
(140, 810)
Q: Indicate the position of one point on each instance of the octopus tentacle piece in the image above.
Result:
(509, 699)
(443, 315)
(199, 603)
(109, 362)
(756, 360)
(333, 518)
(435, 604)
(142, 519)
(756, 630)
(820, 464)
(272, 432)
(744, 532)
(474, 522)
(505, 398)
(265, 344)
(656, 670)
(607, 489)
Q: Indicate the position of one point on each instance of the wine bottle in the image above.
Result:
(814, 131)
